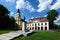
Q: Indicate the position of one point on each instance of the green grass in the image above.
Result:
(41, 35)
(5, 31)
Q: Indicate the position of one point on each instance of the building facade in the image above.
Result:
(38, 24)
(19, 21)
(33, 24)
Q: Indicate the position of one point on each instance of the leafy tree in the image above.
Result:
(55, 26)
(6, 22)
(59, 26)
(12, 22)
(3, 16)
(52, 15)
(3, 10)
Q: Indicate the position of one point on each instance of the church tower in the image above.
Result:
(18, 20)
(18, 15)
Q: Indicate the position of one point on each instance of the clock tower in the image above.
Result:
(18, 20)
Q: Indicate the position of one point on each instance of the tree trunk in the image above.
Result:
(51, 24)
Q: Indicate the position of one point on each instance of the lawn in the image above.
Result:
(2, 31)
(41, 35)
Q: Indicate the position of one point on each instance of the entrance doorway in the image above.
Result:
(45, 28)
(41, 28)
(32, 28)
(35, 28)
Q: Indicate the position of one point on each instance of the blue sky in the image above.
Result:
(32, 8)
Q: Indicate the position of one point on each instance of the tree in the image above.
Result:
(52, 15)
(55, 26)
(3, 16)
(6, 22)
(12, 22)
(3, 10)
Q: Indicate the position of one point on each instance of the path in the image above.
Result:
(12, 35)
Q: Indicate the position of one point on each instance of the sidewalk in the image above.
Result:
(12, 35)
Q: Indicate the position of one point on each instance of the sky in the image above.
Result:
(32, 8)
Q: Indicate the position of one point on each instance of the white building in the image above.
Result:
(38, 24)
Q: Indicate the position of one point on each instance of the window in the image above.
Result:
(32, 28)
(45, 23)
(41, 23)
(30, 24)
(35, 24)
(45, 28)
(38, 24)
(41, 28)
(35, 28)
(38, 28)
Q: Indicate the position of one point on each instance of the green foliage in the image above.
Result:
(6, 22)
(52, 15)
(11, 22)
(55, 26)
(59, 26)
(3, 31)
(3, 16)
(3, 10)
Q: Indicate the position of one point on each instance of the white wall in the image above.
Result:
(33, 25)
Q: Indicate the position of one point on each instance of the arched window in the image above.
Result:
(30, 25)
(35, 24)
(41, 23)
(45, 23)
(38, 24)
(41, 28)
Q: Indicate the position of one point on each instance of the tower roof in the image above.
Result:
(18, 11)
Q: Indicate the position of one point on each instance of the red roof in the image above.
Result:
(42, 19)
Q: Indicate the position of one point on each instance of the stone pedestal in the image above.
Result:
(23, 26)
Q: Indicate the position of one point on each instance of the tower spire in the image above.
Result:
(18, 11)
(18, 15)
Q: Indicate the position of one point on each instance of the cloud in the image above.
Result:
(43, 4)
(11, 13)
(57, 21)
(45, 15)
(22, 4)
(29, 7)
(56, 5)
(32, 17)
(46, 4)
(11, 1)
